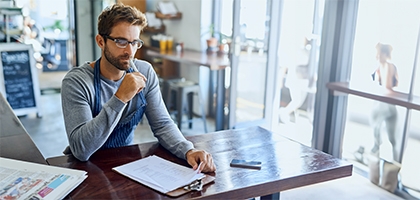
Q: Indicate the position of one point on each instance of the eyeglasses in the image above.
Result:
(122, 43)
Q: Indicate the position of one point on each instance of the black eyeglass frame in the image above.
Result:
(123, 46)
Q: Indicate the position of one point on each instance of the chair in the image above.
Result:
(180, 95)
(167, 93)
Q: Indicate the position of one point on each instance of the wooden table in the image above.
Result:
(215, 62)
(15, 143)
(286, 165)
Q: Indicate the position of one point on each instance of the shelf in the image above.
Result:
(12, 31)
(7, 12)
(171, 16)
(154, 30)
(11, 11)
(377, 93)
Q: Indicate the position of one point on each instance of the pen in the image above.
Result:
(133, 67)
(198, 168)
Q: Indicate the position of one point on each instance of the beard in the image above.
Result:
(117, 61)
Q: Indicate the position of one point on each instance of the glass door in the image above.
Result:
(251, 79)
(300, 35)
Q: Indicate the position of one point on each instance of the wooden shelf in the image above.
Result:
(379, 94)
(155, 30)
(162, 16)
(11, 11)
(7, 12)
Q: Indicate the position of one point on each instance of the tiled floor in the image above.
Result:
(49, 135)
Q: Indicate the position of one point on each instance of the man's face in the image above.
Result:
(120, 57)
(117, 60)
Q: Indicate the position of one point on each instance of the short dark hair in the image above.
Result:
(117, 13)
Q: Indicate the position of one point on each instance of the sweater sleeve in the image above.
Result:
(162, 126)
(86, 134)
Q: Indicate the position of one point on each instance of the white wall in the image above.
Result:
(84, 33)
(196, 18)
(188, 28)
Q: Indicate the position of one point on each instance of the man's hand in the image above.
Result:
(196, 157)
(132, 84)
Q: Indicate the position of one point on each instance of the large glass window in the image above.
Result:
(250, 52)
(383, 60)
(410, 163)
(395, 24)
(298, 64)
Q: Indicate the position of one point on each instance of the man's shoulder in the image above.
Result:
(142, 64)
(82, 72)
(144, 67)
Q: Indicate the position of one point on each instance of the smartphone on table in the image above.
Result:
(252, 164)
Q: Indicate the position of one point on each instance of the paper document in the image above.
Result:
(167, 8)
(26, 180)
(152, 21)
(159, 174)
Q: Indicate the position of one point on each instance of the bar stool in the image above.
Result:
(184, 92)
(167, 93)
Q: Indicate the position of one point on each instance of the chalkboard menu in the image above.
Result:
(19, 76)
(18, 79)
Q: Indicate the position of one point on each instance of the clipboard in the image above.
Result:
(188, 188)
(147, 171)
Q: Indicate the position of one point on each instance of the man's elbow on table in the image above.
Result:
(80, 156)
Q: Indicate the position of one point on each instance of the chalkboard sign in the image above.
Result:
(19, 77)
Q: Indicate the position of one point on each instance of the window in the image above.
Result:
(376, 128)
(298, 65)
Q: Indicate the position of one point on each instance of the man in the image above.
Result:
(103, 101)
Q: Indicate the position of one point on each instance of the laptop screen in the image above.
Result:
(9, 122)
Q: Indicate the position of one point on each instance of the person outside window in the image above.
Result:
(385, 75)
(384, 172)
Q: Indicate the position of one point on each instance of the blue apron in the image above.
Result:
(121, 133)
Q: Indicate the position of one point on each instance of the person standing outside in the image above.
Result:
(104, 100)
(384, 172)
(386, 76)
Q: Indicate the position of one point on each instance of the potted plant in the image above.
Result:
(224, 43)
(212, 41)
(56, 27)
(217, 41)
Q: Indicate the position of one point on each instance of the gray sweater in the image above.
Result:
(87, 134)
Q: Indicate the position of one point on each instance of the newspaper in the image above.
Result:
(26, 180)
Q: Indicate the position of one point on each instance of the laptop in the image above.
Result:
(9, 122)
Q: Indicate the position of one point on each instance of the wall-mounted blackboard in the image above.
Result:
(19, 77)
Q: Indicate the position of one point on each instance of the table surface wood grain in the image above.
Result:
(286, 164)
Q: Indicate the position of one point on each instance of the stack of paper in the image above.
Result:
(26, 180)
(152, 21)
(159, 174)
(167, 8)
